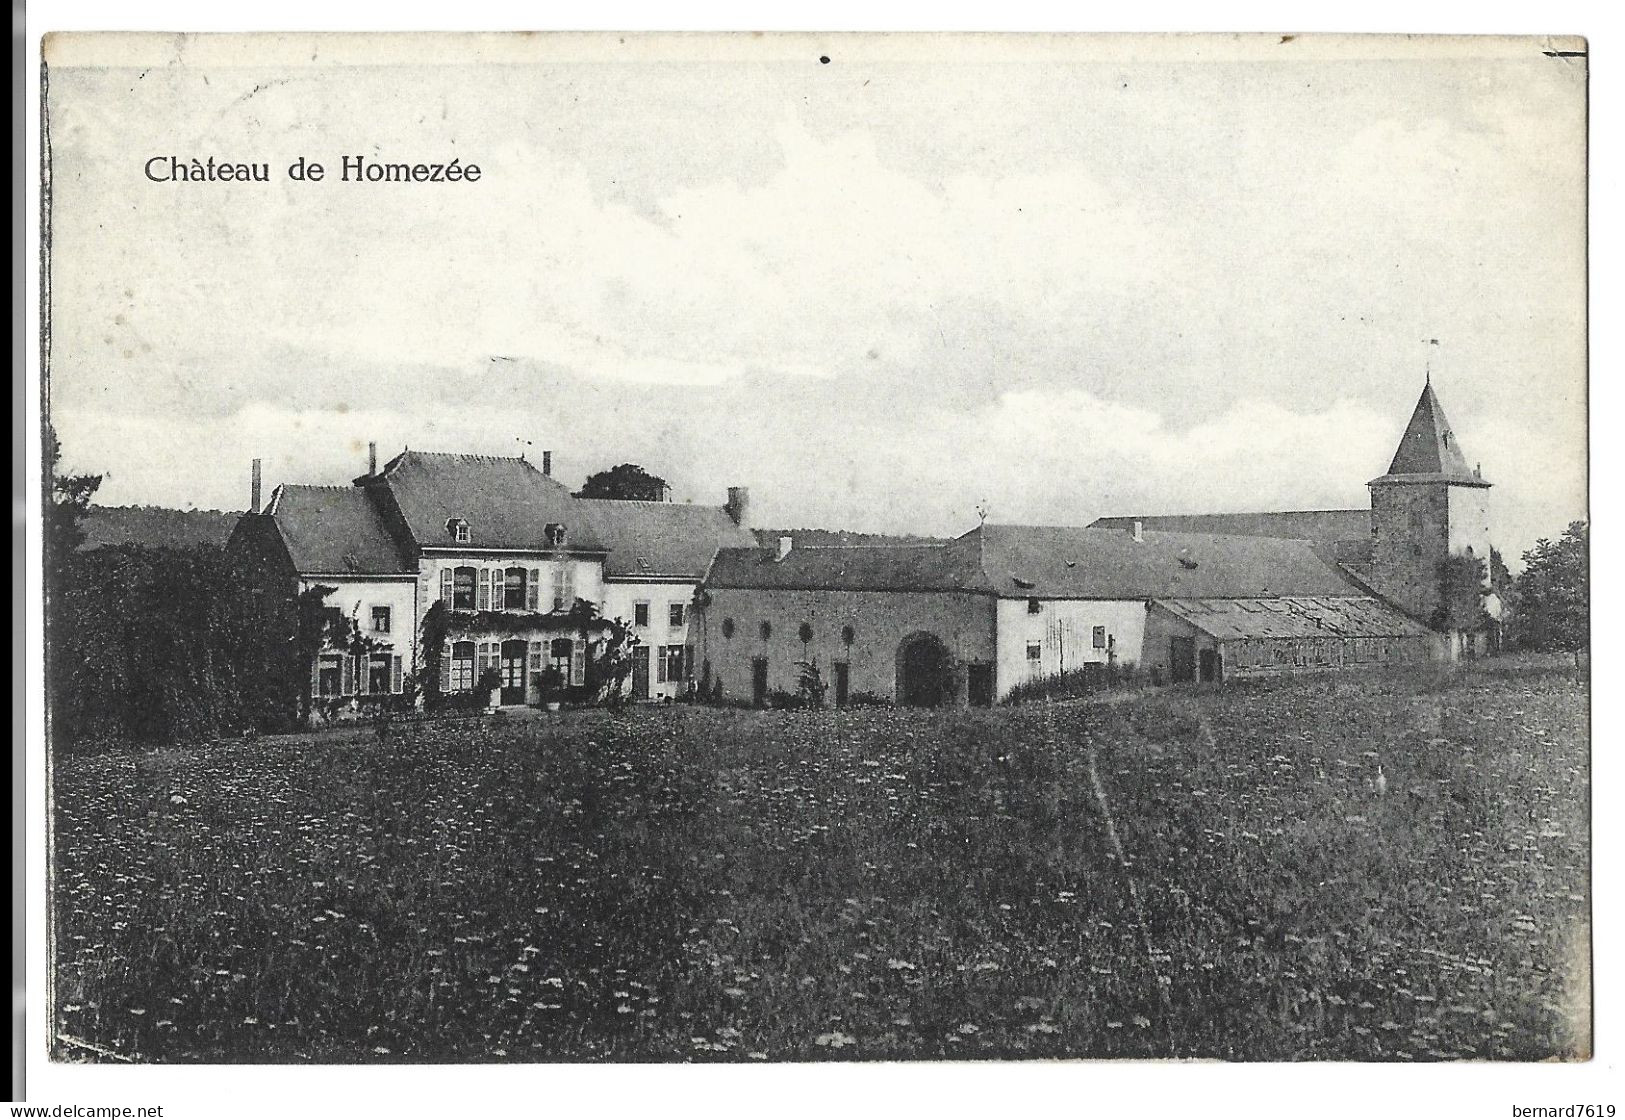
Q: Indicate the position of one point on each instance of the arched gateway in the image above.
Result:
(922, 671)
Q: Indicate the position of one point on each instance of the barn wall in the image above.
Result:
(1161, 627)
(880, 620)
(1064, 629)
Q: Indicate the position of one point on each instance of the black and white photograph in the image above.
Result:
(792, 548)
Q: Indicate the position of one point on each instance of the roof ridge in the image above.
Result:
(465, 455)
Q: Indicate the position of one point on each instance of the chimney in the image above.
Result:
(372, 458)
(547, 463)
(738, 507)
(1139, 531)
(254, 489)
(785, 544)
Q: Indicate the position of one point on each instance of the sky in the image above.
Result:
(1052, 279)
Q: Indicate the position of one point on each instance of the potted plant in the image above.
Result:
(550, 685)
(490, 683)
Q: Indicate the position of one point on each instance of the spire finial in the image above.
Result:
(1427, 376)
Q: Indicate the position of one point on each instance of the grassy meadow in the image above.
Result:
(677, 884)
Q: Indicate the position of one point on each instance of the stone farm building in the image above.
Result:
(514, 560)
(1178, 598)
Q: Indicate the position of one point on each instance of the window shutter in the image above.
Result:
(316, 675)
(536, 655)
(363, 674)
(445, 587)
(558, 585)
(347, 673)
(484, 601)
(578, 663)
(395, 673)
(445, 667)
(569, 569)
(533, 588)
(660, 664)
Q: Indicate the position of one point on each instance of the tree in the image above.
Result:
(65, 512)
(1554, 593)
(627, 482)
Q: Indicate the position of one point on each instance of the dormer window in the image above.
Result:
(457, 530)
(556, 535)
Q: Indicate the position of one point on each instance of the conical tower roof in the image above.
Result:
(1429, 451)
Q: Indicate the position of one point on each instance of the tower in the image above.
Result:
(1429, 506)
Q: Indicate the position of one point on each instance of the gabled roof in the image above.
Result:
(1063, 562)
(1429, 451)
(334, 530)
(1294, 617)
(654, 539)
(928, 567)
(507, 502)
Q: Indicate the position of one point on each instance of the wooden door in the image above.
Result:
(640, 672)
(1210, 665)
(758, 681)
(514, 655)
(1182, 660)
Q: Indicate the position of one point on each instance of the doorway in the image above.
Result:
(514, 652)
(1212, 669)
(1182, 660)
(922, 670)
(758, 681)
(979, 685)
(640, 672)
(843, 683)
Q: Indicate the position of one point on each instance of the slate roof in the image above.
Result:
(650, 539)
(819, 538)
(1293, 617)
(931, 567)
(1062, 562)
(1429, 450)
(1328, 525)
(332, 530)
(507, 502)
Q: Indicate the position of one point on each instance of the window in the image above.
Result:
(558, 652)
(671, 663)
(727, 628)
(564, 586)
(462, 589)
(1035, 656)
(380, 620)
(676, 614)
(513, 590)
(462, 666)
(329, 674)
(556, 535)
(1034, 606)
(805, 632)
(379, 671)
(766, 631)
(1100, 637)
(457, 529)
(640, 614)
(848, 635)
